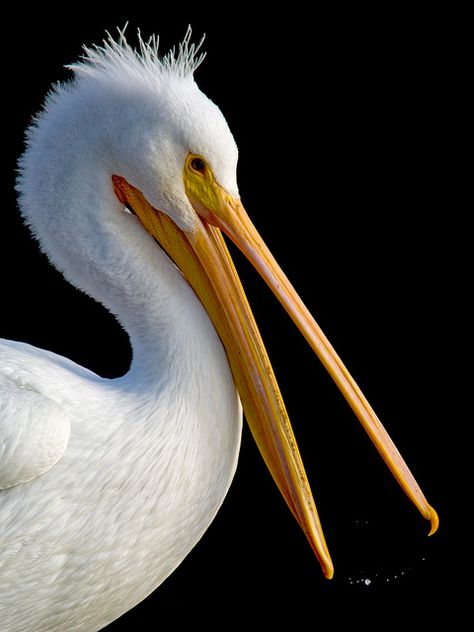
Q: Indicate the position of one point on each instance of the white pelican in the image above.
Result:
(127, 181)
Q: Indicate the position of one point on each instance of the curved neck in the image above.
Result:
(105, 252)
(68, 201)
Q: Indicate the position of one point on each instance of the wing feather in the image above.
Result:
(34, 432)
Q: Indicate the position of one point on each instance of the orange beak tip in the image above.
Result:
(329, 572)
(433, 518)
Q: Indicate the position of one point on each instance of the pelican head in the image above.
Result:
(134, 115)
(161, 169)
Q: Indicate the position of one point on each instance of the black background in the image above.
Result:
(344, 122)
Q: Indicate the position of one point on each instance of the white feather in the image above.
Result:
(150, 456)
(34, 429)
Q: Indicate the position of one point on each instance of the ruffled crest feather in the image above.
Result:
(117, 57)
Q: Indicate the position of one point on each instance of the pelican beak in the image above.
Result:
(203, 258)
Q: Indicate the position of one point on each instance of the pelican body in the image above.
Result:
(127, 182)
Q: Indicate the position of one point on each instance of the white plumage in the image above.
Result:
(150, 456)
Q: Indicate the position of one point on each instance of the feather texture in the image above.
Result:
(112, 482)
(118, 58)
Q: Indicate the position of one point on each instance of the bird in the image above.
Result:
(128, 184)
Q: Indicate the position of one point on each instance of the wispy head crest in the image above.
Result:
(117, 56)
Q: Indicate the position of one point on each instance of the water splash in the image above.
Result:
(389, 571)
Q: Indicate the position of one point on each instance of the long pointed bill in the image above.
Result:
(203, 258)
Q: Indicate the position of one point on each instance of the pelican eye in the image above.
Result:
(198, 165)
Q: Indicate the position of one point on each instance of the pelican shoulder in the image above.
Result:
(34, 429)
